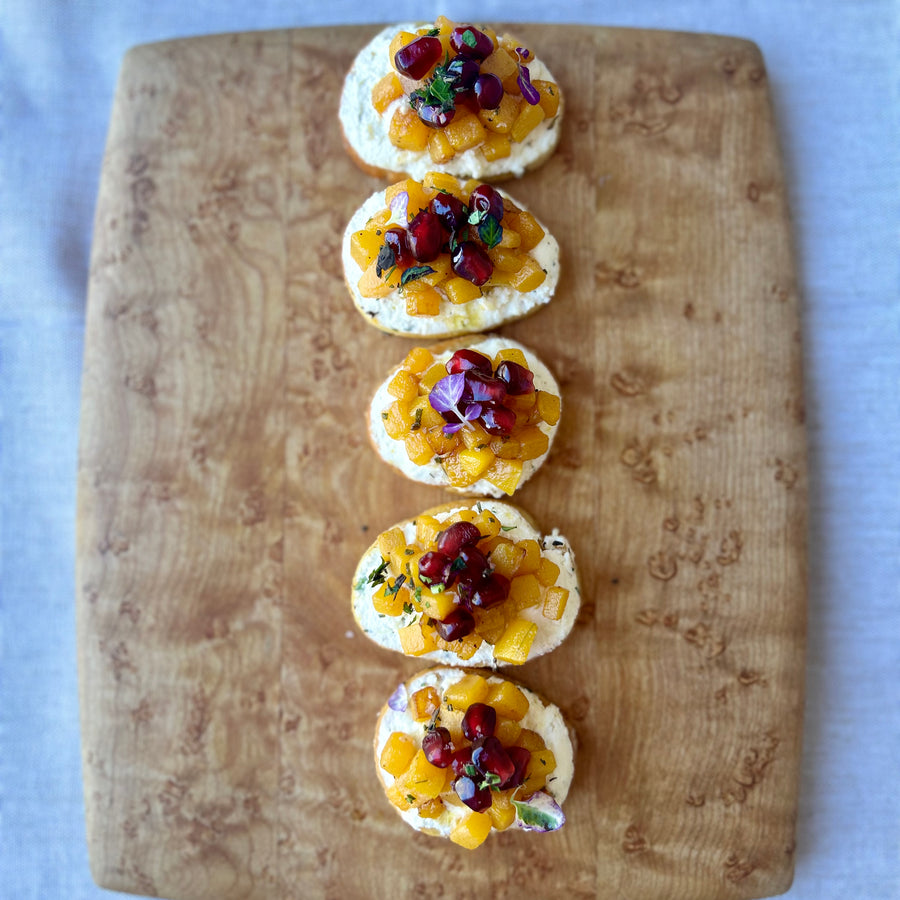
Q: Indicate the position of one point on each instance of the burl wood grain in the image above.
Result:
(226, 486)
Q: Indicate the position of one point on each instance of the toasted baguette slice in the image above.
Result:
(454, 306)
(366, 131)
(426, 795)
(420, 453)
(397, 609)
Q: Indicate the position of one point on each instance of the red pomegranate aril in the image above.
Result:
(481, 388)
(469, 261)
(458, 535)
(491, 759)
(491, 592)
(517, 378)
(425, 235)
(485, 199)
(469, 41)
(488, 91)
(474, 797)
(471, 566)
(460, 759)
(417, 57)
(455, 625)
(520, 758)
(435, 116)
(438, 747)
(397, 240)
(479, 721)
(449, 210)
(436, 568)
(466, 359)
(464, 70)
(498, 420)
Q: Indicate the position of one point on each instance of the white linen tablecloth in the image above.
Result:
(835, 76)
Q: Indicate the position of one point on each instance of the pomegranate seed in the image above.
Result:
(425, 236)
(460, 534)
(468, 100)
(436, 567)
(449, 210)
(466, 359)
(438, 747)
(397, 240)
(455, 625)
(479, 721)
(520, 758)
(416, 58)
(498, 420)
(481, 388)
(435, 116)
(488, 91)
(473, 796)
(469, 261)
(485, 199)
(491, 758)
(471, 566)
(461, 759)
(483, 45)
(491, 592)
(464, 70)
(518, 379)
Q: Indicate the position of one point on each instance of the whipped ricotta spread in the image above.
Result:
(383, 629)
(496, 306)
(394, 452)
(544, 718)
(366, 129)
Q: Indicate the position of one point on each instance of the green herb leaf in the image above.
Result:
(395, 587)
(415, 272)
(408, 608)
(377, 575)
(468, 38)
(470, 770)
(417, 421)
(490, 231)
(386, 260)
(432, 32)
(508, 527)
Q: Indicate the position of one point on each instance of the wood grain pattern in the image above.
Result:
(226, 486)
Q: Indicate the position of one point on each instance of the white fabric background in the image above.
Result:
(835, 75)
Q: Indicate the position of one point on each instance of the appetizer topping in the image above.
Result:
(452, 240)
(464, 88)
(462, 582)
(474, 755)
(475, 416)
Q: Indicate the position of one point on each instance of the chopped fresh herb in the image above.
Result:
(470, 770)
(491, 780)
(468, 38)
(425, 579)
(432, 32)
(458, 564)
(508, 527)
(415, 272)
(478, 506)
(377, 575)
(490, 231)
(476, 216)
(385, 415)
(409, 550)
(410, 798)
(418, 594)
(408, 608)
(416, 425)
(395, 587)
(387, 259)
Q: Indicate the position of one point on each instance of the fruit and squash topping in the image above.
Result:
(441, 240)
(475, 756)
(461, 582)
(477, 417)
(465, 88)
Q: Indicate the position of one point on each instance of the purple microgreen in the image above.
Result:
(539, 813)
(414, 272)
(397, 701)
(399, 210)
(490, 231)
(529, 92)
(523, 53)
(447, 393)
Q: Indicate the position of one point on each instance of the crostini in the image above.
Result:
(448, 96)
(476, 415)
(438, 258)
(468, 584)
(461, 755)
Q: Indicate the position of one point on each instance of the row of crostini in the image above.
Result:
(443, 109)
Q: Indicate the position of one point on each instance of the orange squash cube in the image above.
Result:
(418, 360)
(430, 377)
(464, 132)
(555, 603)
(475, 462)
(417, 447)
(507, 731)
(505, 558)
(408, 132)
(549, 96)
(400, 797)
(531, 559)
(364, 247)
(531, 740)
(403, 386)
(501, 810)
(541, 764)
(515, 644)
(525, 591)
(528, 276)
(534, 442)
(501, 64)
(388, 599)
(441, 443)
(491, 624)
(397, 419)
(547, 572)
(371, 284)
(422, 300)
(487, 523)
(438, 606)
(422, 779)
(439, 147)
(423, 703)
(529, 230)
(414, 641)
(548, 406)
(472, 831)
(460, 290)
(386, 91)
(389, 541)
(511, 354)
(496, 146)
(505, 474)
(500, 121)
(397, 753)
(471, 688)
(508, 701)
(400, 40)
(427, 528)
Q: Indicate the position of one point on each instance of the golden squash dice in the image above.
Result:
(525, 591)
(423, 703)
(472, 831)
(397, 753)
(407, 131)
(464, 132)
(471, 688)
(515, 644)
(505, 474)
(386, 91)
(508, 701)
(555, 603)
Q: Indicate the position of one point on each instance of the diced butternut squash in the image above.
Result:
(487, 523)
(371, 284)
(422, 300)
(400, 39)
(475, 462)
(507, 731)
(534, 442)
(431, 809)
(525, 591)
(491, 624)
(431, 377)
(471, 688)
(364, 247)
(438, 606)
(505, 474)
(418, 360)
(460, 290)
(465, 131)
(413, 641)
(408, 132)
(427, 528)
(531, 740)
(422, 779)
(417, 447)
(511, 354)
(541, 764)
(440, 182)
(397, 753)
(501, 64)
(532, 556)
(549, 93)
(501, 810)
(388, 599)
(528, 228)
(508, 700)
(423, 703)
(555, 603)
(472, 831)
(500, 121)
(386, 90)
(439, 147)
(505, 558)
(515, 644)
(528, 276)
(403, 386)
(400, 797)
(389, 541)
(496, 146)
(548, 572)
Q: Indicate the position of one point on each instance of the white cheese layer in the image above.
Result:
(366, 129)
(496, 306)
(544, 718)
(383, 629)
(394, 452)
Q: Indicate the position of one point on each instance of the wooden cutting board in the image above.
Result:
(226, 486)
